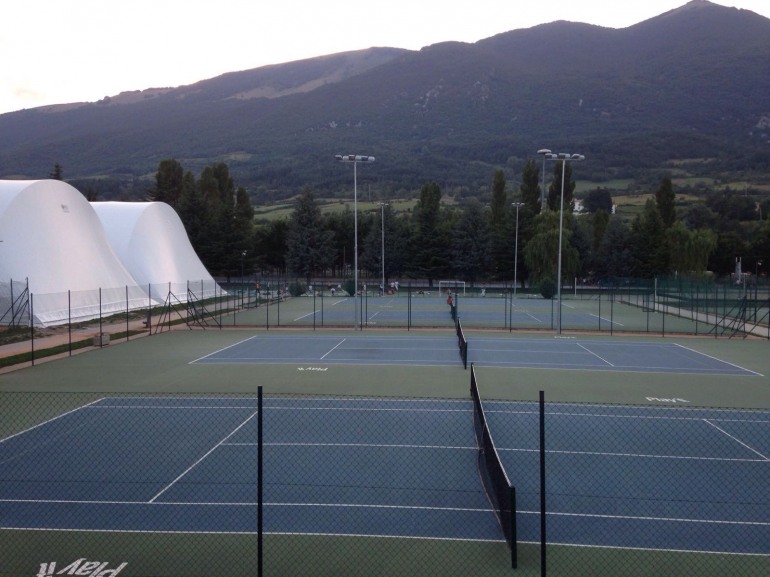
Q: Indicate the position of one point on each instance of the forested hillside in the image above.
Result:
(685, 91)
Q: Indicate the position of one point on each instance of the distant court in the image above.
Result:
(558, 353)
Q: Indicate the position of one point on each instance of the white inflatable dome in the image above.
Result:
(78, 260)
(53, 239)
(151, 241)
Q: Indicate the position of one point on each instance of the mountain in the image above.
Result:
(686, 89)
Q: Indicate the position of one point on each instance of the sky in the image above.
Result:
(61, 51)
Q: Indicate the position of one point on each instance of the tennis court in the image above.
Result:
(568, 353)
(189, 444)
(396, 475)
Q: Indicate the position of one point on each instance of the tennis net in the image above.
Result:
(500, 492)
(462, 342)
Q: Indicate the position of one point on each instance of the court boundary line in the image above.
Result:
(635, 455)
(648, 408)
(604, 369)
(718, 359)
(374, 536)
(46, 422)
(240, 505)
(279, 533)
(656, 519)
(223, 349)
(629, 406)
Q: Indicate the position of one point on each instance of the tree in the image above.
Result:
(57, 173)
(650, 254)
(759, 250)
(702, 245)
(554, 191)
(690, 250)
(614, 255)
(91, 193)
(168, 182)
(218, 192)
(598, 199)
(499, 202)
(470, 243)
(270, 243)
(729, 247)
(499, 246)
(665, 201)
(678, 238)
(191, 210)
(542, 251)
(431, 254)
(340, 225)
(308, 249)
(600, 222)
(700, 216)
(242, 237)
(395, 245)
(530, 187)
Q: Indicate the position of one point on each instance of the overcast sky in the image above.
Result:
(56, 51)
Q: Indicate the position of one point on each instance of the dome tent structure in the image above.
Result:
(77, 261)
(152, 243)
(52, 238)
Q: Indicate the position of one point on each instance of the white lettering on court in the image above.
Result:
(81, 567)
(660, 400)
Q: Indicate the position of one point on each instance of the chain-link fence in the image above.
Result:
(170, 485)
(650, 307)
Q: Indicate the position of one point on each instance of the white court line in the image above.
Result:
(667, 519)
(222, 349)
(635, 455)
(719, 360)
(51, 420)
(310, 314)
(737, 440)
(330, 351)
(594, 354)
(606, 320)
(195, 464)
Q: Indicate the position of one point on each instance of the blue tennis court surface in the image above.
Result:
(692, 479)
(557, 353)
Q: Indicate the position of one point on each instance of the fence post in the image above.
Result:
(100, 317)
(69, 319)
(543, 535)
(259, 482)
(32, 326)
(126, 312)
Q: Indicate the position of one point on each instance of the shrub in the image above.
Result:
(547, 288)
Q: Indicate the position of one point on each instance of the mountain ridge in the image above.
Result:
(689, 83)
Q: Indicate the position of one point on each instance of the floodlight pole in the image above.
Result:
(564, 158)
(516, 249)
(382, 256)
(544, 152)
(355, 159)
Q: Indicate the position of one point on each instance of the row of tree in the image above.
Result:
(474, 241)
